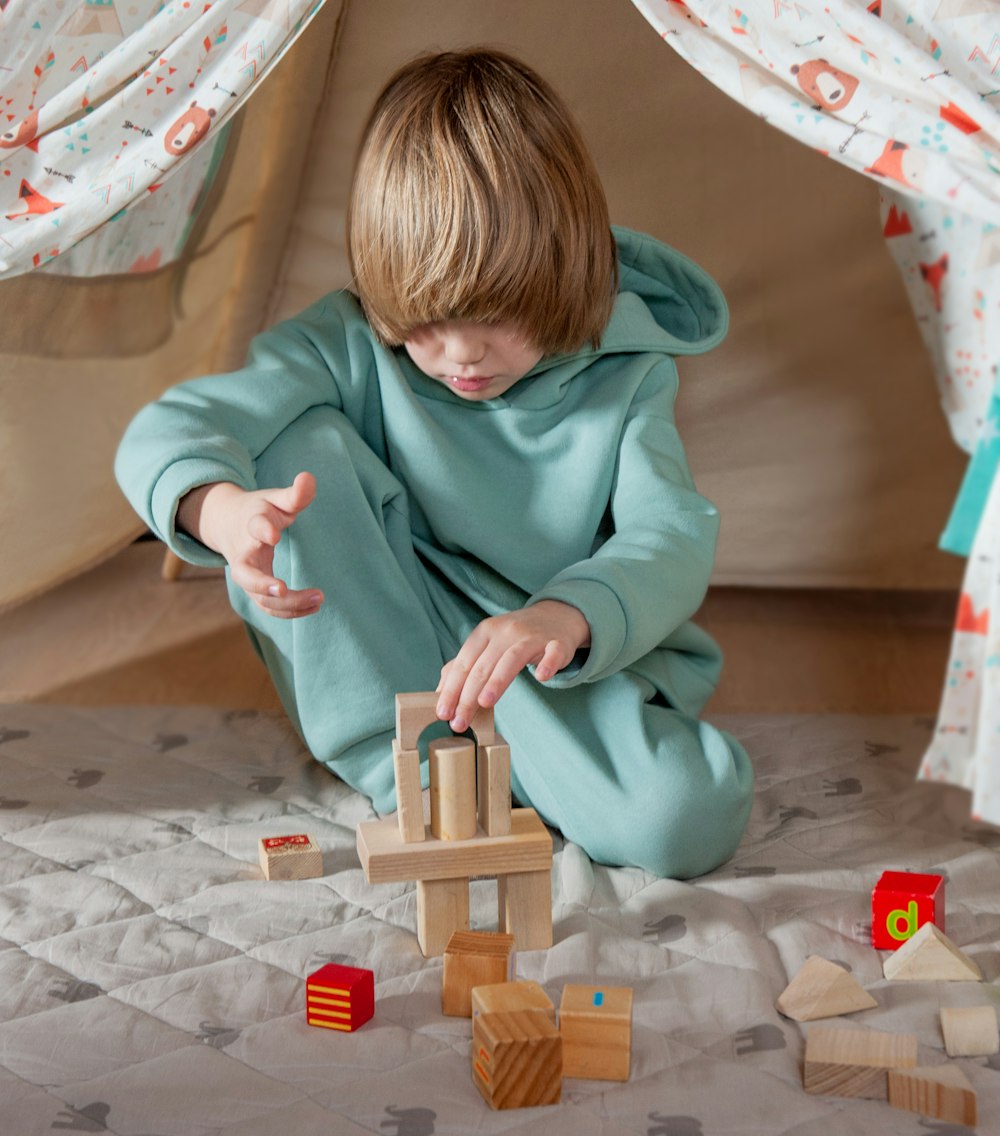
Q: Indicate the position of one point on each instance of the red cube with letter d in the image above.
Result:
(902, 902)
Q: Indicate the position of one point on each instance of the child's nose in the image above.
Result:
(464, 348)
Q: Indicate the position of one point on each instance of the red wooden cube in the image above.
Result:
(340, 997)
(902, 902)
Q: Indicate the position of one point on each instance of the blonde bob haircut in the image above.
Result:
(475, 198)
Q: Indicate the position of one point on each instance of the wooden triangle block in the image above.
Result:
(822, 989)
(930, 956)
(939, 1091)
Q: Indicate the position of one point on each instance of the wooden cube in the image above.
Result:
(522, 995)
(596, 1027)
(517, 1058)
(340, 997)
(290, 857)
(902, 902)
(474, 958)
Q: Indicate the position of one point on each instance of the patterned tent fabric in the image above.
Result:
(906, 93)
(104, 106)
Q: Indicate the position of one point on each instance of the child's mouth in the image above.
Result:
(474, 383)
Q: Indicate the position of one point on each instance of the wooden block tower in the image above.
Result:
(473, 833)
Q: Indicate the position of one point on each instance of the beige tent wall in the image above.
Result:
(79, 357)
(816, 428)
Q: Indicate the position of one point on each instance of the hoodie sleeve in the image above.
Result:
(651, 575)
(213, 428)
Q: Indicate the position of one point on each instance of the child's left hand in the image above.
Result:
(547, 634)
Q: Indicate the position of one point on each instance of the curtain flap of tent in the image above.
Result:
(906, 92)
(108, 105)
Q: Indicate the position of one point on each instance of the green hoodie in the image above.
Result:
(572, 486)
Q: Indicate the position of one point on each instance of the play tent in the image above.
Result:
(173, 177)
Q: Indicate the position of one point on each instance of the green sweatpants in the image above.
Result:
(612, 764)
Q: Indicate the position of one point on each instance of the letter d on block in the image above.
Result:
(902, 902)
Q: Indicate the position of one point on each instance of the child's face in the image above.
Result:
(477, 361)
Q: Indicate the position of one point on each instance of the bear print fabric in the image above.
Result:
(103, 105)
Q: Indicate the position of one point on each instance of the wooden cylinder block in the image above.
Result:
(453, 788)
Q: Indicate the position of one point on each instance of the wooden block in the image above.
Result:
(902, 902)
(474, 958)
(506, 996)
(855, 1062)
(822, 989)
(386, 859)
(517, 1058)
(494, 788)
(482, 726)
(930, 956)
(596, 1027)
(524, 902)
(290, 857)
(970, 1031)
(414, 713)
(340, 997)
(442, 909)
(409, 795)
(453, 788)
(940, 1091)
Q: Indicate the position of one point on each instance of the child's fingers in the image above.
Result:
(554, 658)
(274, 596)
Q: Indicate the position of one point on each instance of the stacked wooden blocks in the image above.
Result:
(472, 834)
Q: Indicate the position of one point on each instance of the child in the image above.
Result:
(497, 499)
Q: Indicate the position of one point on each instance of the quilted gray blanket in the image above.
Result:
(152, 982)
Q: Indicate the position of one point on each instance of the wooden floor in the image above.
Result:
(120, 635)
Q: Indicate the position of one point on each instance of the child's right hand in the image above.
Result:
(244, 526)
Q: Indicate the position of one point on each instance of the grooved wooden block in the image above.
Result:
(521, 995)
(822, 989)
(340, 997)
(474, 958)
(596, 1027)
(517, 1058)
(970, 1031)
(940, 1091)
(290, 857)
(855, 1062)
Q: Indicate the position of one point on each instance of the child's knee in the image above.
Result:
(693, 810)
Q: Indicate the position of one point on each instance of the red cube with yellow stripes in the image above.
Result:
(340, 997)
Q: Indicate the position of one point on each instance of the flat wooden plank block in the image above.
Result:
(940, 1091)
(386, 859)
(854, 1062)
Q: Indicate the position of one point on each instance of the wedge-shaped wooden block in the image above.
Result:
(822, 989)
(930, 956)
(517, 1058)
(340, 997)
(855, 1062)
(521, 995)
(290, 857)
(474, 958)
(387, 859)
(970, 1031)
(596, 1027)
(939, 1091)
